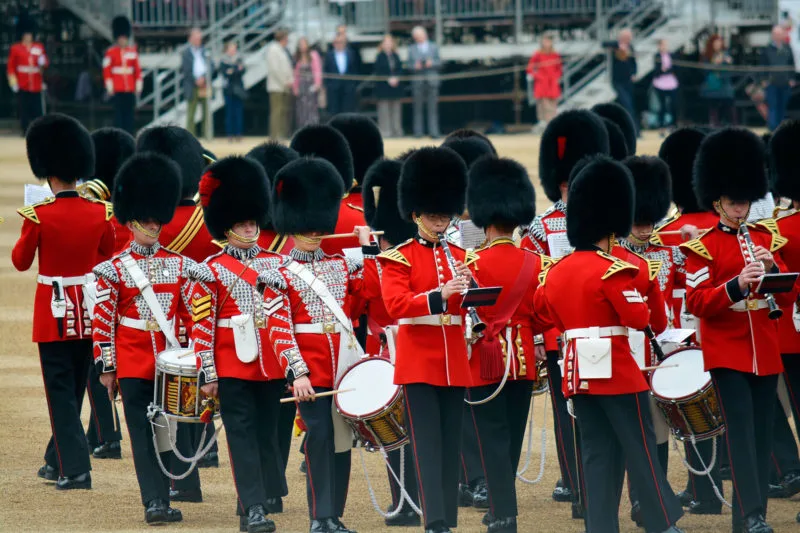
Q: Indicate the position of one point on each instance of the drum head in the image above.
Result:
(373, 381)
(682, 376)
(178, 361)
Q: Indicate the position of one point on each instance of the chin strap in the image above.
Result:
(246, 240)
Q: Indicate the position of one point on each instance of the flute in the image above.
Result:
(775, 312)
(475, 326)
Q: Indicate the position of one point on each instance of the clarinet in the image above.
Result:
(775, 312)
(475, 326)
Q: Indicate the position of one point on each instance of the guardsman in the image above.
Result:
(309, 326)
(422, 291)
(230, 338)
(122, 75)
(26, 61)
(70, 235)
(619, 116)
(500, 198)
(366, 146)
(132, 326)
(607, 389)
(617, 148)
(740, 343)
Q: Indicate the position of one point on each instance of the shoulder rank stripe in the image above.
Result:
(778, 240)
(393, 254)
(618, 265)
(654, 267)
(201, 307)
(697, 247)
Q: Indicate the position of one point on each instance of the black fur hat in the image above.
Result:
(232, 190)
(112, 147)
(364, 139)
(59, 146)
(730, 162)
(25, 24)
(273, 156)
(380, 202)
(120, 27)
(466, 133)
(620, 116)
(469, 148)
(148, 186)
(499, 191)
(433, 181)
(306, 195)
(179, 145)
(679, 151)
(568, 138)
(784, 154)
(653, 188)
(600, 202)
(618, 148)
(329, 144)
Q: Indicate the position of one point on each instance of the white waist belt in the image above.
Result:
(122, 70)
(431, 320)
(319, 329)
(28, 69)
(678, 293)
(593, 333)
(143, 325)
(226, 323)
(749, 305)
(69, 281)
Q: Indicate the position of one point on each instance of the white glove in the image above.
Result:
(42, 60)
(110, 88)
(14, 88)
(139, 85)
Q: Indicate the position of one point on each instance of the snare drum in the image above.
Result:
(686, 395)
(177, 392)
(374, 409)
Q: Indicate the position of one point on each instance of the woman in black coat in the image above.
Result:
(388, 89)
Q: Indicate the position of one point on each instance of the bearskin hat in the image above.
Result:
(380, 202)
(364, 139)
(120, 27)
(25, 24)
(306, 195)
(112, 147)
(208, 156)
(147, 187)
(469, 148)
(652, 186)
(499, 191)
(620, 116)
(730, 162)
(567, 138)
(678, 151)
(273, 156)
(59, 146)
(179, 145)
(600, 202)
(617, 147)
(326, 143)
(232, 190)
(432, 181)
(466, 133)
(405, 155)
(784, 158)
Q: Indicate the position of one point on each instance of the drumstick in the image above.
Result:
(649, 368)
(676, 232)
(344, 235)
(319, 395)
(114, 406)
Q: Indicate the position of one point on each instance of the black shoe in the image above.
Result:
(776, 492)
(404, 518)
(191, 495)
(755, 524)
(725, 473)
(464, 495)
(504, 525)
(303, 467)
(48, 473)
(685, 498)
(437, 527)
(797, 518)
(713, 507)
(791, 483)
(81, 481)
(108, 450)
(319, 526)
(636, 514)
(577, 511)
(336, 526)
(257, 522)
(159, 512)
(480, 495)
(562, 494)
(209, 460)
(488, 518)
(274, 505)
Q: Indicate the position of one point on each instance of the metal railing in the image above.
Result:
(182, 13)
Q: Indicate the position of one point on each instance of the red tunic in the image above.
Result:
(186, 233)
(272, 242)
(605, 297)
(26, 64)
(789, 227)
(129, 351)
(702, 221)
(371, 295)
(671, 275)
(121, 66)
(71, 235)
(351, 214)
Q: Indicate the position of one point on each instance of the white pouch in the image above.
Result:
(796, 318)
(594, 358)
(638, 351)
(58, 307)
(391, 333)
(244, 337)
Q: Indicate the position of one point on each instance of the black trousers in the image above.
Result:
(471, 467)
(662, 451)
(409, 476)
(328, 473)
(616, 430)
(210, 431)
(102, 415)
(285, 428)
(747, 403)
(187, 441)
(434, 417)
(30, 108)
(564, 427)
(65, 366)
(784, 458)
(663, 107)
(249, 412)
(124, 107)
(500, 425)
(137, 394)
(700, 487)
(341, 98)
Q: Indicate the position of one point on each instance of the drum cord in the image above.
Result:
(202, 450)
(499, 388)
(706, 469)
(404, 496)
(542, 455)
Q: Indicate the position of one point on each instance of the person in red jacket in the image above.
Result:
(366, 146)
(70, 235)
(309, 326)
(545, 70)
(26, 61)
(608, 390)
(122, 75)
(246, 376)
(741, 346)
(126, 333)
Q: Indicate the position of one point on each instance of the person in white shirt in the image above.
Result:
(424, 61)
(280, 80)
(196, 70)
(341, 60)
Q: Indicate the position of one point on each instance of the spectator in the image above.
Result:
(340, 61)
(623, 70)
(232, 69)
(423, 58)
(280, 80)
(665, 84)
(778, 55)
(545, 69)
(196, 68)
(307, 83)
(388, 90)
(717, 88)
(341, 31)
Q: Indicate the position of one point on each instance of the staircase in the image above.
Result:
(97, 14)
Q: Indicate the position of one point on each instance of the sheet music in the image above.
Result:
(761, 209)
(676, 335)
(559, 245)
(36, 193)
(356, 254)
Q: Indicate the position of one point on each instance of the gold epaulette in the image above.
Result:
(654, 267)
(696, 246)
(109, 210)
(617, 265)
(221, 243)
(351, 206)
(546, 263)
(470, 257)
(669, 220)
(393, 254)
(29, 211)
(778, 240)
(201, 307)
